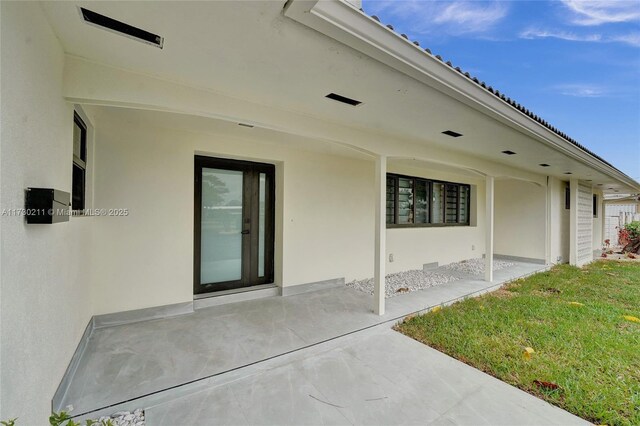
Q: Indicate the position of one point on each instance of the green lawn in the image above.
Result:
(591, 351)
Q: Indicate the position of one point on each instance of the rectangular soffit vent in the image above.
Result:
(343, 99)
(452, 133)
(104, 22)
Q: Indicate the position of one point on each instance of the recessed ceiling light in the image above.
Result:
(508, 152)
(343, 99)
(452, 133)
(118, 27)
(568, 173)
(543, 165)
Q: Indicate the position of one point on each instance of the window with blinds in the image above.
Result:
(413, 201)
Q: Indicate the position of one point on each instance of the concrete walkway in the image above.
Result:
(373, 377)
(273, 341)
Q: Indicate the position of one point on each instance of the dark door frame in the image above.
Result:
(250, 222)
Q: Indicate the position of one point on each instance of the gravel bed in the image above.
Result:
(125, 418)
(404, 282)
(476, 266)
(407, 281)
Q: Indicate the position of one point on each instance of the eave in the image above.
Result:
(352, 27)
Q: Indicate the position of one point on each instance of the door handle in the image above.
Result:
(245, 232)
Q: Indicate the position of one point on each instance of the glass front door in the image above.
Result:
(234, 216)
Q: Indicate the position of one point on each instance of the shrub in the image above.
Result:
(629, 232)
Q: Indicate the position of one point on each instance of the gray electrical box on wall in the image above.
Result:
(46, 205)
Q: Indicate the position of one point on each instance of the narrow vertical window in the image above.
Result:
(405, 200)
(452, 203)
(463, 214)
(595, 205)
(567, 197)
(79, 174)
(422, 201)
(437, 203)
(391, 200)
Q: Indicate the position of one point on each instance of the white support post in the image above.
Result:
(547, 224)
(380, 234)
(488, 261)
(602, 216)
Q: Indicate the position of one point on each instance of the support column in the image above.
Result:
(547, 224)
(488, 261)
(380, 192)
(602, 215)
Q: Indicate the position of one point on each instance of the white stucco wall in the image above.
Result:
(146, 165)
(144, 162)
(45, 287)
(559, 222)
(520, 219)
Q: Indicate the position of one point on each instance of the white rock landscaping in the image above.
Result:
(125, 418)
(413, 280)
(403, 282)
(476, 266)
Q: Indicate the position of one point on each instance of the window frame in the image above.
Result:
(429, 184)
(80, 163)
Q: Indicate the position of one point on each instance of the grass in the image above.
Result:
(590, 351)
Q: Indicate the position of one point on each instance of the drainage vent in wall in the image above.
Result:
(104, 22)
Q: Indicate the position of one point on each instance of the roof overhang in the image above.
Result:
(629, 199)
(345, 23)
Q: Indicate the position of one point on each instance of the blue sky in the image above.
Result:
(575, 63)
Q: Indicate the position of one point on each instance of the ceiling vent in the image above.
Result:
(452, 133)
(109, 24)
(343, 99)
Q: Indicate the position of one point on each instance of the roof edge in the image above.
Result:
(321, 15)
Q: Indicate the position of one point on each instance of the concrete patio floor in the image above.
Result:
(152, 364)
(373, 377)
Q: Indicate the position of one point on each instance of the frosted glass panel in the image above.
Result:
(261, 223)
(221, 240)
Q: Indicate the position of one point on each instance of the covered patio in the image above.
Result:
(145, 363)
